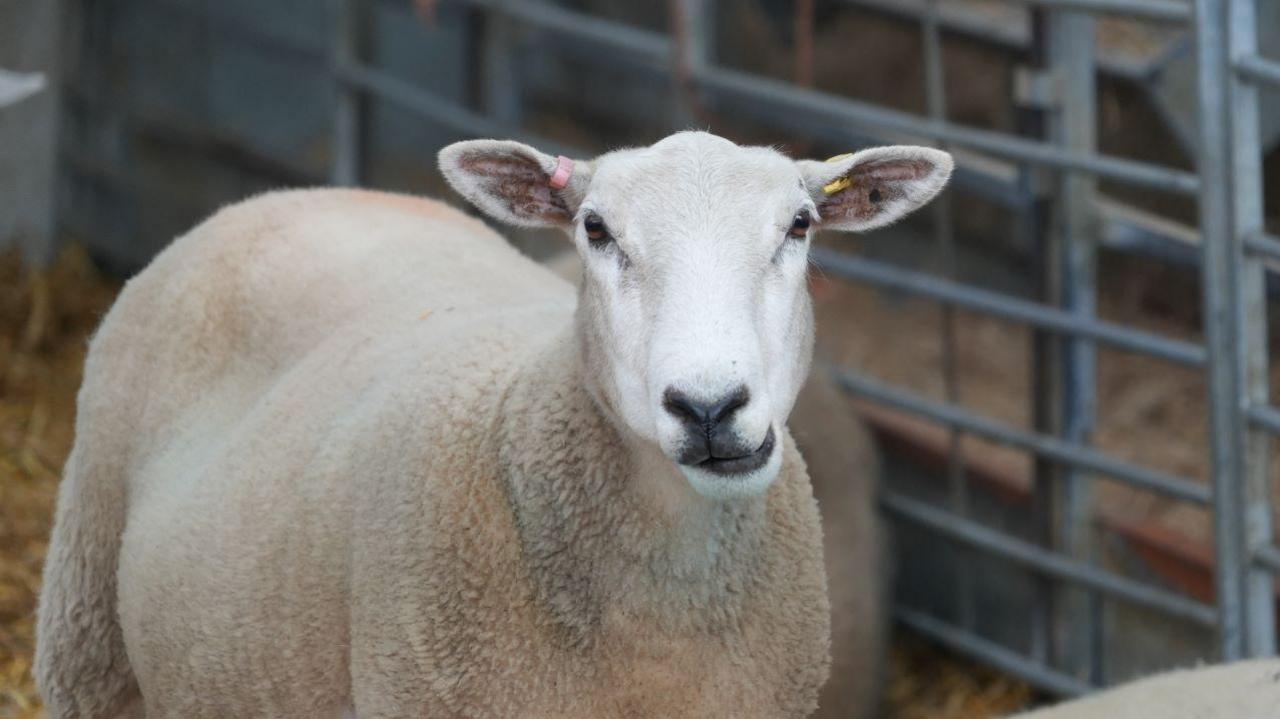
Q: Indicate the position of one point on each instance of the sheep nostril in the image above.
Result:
(704, 414)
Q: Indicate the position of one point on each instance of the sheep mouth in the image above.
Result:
(743, 464)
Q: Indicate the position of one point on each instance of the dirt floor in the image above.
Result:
(44, 326)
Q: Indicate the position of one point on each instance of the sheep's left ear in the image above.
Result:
(874, 187)
(515, 183)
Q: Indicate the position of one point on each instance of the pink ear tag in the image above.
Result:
(564, 170)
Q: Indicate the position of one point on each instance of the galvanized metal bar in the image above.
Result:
(695, 52)
(944, 245)
(1268, 557)
(1263, 245)
(1052, 447)
(1258, 69)
(647, 47)
(1045, 561)
(959, 20)
(1076, 227)
(349, 111)
(1221, 323)
(1134, 231)
(1173, 11)
(1073, 124)
(1251, 315)
(887, 276)
(439, 109)
(778, 95)
(215, 19)
(500, 70)
(1035, 228)
(731, 85)
(1264, 416)
(999, 657)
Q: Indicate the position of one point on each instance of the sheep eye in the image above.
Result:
(800, 225)
(597, 233)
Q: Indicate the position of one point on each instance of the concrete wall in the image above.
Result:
(29, 31)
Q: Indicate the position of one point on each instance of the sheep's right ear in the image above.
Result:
(515, 183)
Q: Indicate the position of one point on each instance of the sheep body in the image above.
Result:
(332, 452)
(844, 468)
(1242, 690)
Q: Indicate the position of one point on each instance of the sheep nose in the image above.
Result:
(704, 416)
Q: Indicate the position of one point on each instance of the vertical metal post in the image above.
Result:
(1034, 226)
(1247, 210)
(1221, 319)
(349, 109)
(500, 72)
(944, 241)
(1073, 285)
(694, 48)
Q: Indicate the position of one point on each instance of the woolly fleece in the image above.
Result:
(1244, 690)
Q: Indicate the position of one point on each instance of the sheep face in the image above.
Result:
(694, 317)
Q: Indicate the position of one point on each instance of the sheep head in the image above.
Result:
(694, 316)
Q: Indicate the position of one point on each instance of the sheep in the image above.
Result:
(1242, 690)
(843, 467)
(347, 452)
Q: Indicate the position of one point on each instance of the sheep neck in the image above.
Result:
(606, 522)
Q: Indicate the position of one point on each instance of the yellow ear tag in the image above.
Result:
(840, 183)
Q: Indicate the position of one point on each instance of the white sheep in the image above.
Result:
(344, 451)
(843, 467)
(1243, 690)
